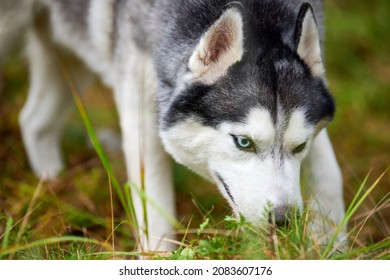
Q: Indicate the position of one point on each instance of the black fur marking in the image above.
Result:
(226, 187)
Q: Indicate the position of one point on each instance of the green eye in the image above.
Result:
(299, 148)
(244, 143)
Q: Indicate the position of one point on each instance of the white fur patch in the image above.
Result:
(297, 131)
(326, 189)
(326, 178)
(258, 126)
(219, 48)
(190, 143)
(250, 181)
(193, 144)
(101, 24)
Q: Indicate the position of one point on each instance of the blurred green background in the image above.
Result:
(358, 69)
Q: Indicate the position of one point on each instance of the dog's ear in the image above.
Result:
(307, 40)
(219, 48)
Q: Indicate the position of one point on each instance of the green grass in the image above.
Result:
(87, 212)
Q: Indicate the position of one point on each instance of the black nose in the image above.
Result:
(281, 215)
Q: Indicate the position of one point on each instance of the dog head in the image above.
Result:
(247, 108)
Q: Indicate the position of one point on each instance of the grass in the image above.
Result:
(87, 213)
(237, 240)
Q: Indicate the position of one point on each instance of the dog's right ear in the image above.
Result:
(307, 40)
(219, 48)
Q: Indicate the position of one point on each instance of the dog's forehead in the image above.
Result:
(285, 87)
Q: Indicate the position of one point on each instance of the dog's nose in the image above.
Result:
(281, 215)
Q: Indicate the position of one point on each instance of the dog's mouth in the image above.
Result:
(275, 216)
(226, 186)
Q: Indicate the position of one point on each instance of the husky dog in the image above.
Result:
(239, 86)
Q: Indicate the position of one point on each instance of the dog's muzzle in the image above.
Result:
(282, 215)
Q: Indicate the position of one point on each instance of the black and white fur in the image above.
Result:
(240, 88)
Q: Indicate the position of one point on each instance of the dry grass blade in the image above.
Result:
(30, 208)
(353, 207)
(383, 202)
(112, 219)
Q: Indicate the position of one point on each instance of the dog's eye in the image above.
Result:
(244, 143)
(299, 148)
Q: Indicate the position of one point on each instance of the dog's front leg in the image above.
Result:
(148, 166)
(326, 188)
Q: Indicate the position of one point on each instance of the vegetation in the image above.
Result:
(86, 213)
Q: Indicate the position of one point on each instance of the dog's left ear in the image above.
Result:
(219, 48)
(307, 40)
